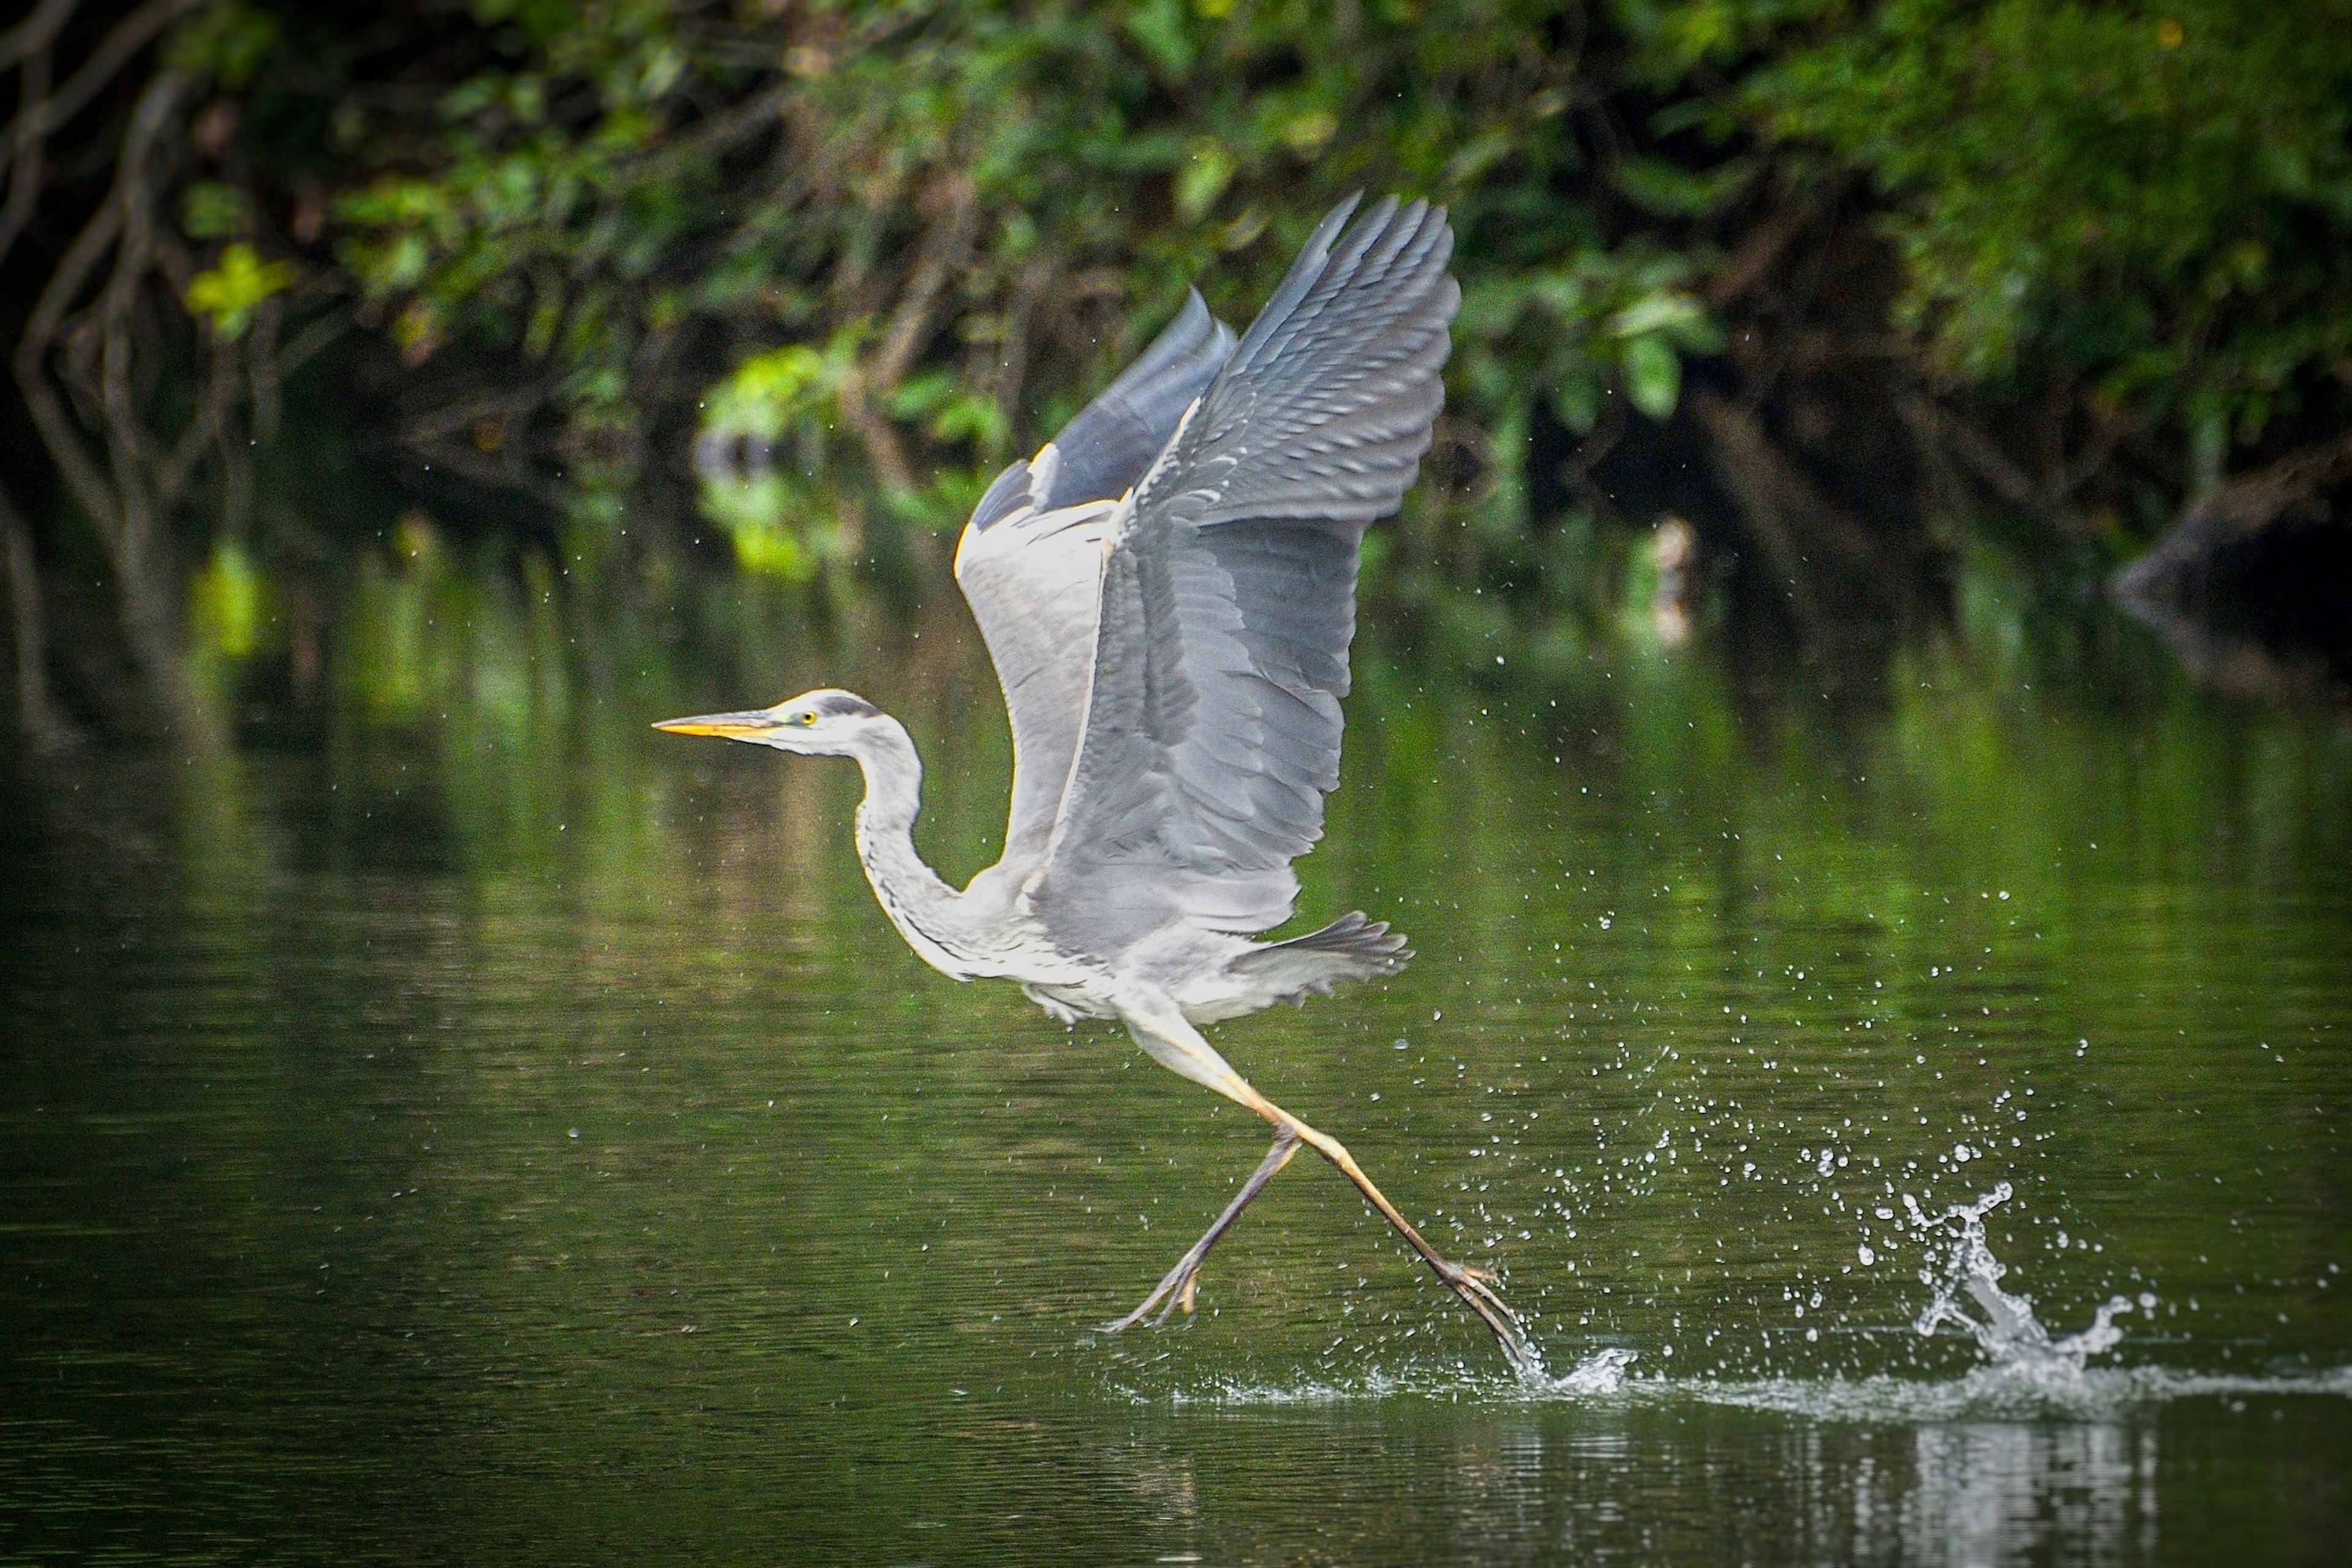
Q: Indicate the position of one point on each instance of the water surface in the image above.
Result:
(467, 1126)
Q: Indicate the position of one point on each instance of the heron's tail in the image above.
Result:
(1351, 948)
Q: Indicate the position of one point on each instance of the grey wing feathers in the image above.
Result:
(1212, 726)
(1034, 582)
(1106, 449)
(1351, 948)
(1100, 455)
(1035, 589)
(1324, 408)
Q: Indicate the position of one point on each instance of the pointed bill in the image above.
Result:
(744, 726)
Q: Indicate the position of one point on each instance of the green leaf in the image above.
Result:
(233, 290)
(1576, 403)
(227, 42)
(225, 602)
(1159, 26)
(1203, 180)
(1669, 190)
(1653, 376)
(1673, 313)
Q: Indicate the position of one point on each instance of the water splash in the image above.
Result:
(1599, 1374)
(2005, 1329)
(1602, 1372)
(1997, 1395)
(2027, 1372)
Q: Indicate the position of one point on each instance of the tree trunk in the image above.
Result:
(37, 719)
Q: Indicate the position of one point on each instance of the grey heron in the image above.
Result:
(1167, 590)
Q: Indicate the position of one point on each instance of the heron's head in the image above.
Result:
(827, 723)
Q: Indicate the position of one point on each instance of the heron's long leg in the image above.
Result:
(1161, 1029)
(1177, 1287)
(1475, 1285)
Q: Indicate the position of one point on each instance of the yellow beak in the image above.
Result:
(726, 726)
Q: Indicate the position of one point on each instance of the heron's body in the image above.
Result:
(987, 932)
(1168, 592)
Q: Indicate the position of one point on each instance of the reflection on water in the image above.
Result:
(1990, 1494)
(1649, 1485)
(466, 1125)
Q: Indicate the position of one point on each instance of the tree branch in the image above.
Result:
(36, 32)
(22, 157)
(114, 51)
(87, 485)
(2172, 566)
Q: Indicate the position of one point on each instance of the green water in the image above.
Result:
(465, 1126)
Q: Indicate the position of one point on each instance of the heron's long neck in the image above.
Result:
(921, 906)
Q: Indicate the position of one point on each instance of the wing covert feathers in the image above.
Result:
(1213, 723)
(1106, 449)
(1034, 580)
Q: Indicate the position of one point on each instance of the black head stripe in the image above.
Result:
(841, 704)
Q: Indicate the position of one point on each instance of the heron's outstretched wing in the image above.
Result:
(1212, 723)
(1031, 566)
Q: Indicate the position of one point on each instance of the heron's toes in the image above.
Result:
(1475, 1286)
(1179, 1298)
(1471, 1276)
(1178, 1290)
(1486, 1294)
(1158, 1297)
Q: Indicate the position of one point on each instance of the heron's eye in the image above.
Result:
(804, 719)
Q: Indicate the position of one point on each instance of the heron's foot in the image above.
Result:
(1176, 1291)
(1475, 1282)
(1475, 1286)
(1181, 1286)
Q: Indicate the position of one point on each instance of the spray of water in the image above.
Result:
(2004, 1325)
(1602, 1372)
(2026, 1371)
(2025, 1365)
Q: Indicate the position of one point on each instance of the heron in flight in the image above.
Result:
(1167, 590)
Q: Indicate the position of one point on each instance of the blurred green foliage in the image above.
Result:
(824, 267)
(230, 291)
(918, 233)
(921, 233)
(2156, 198)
